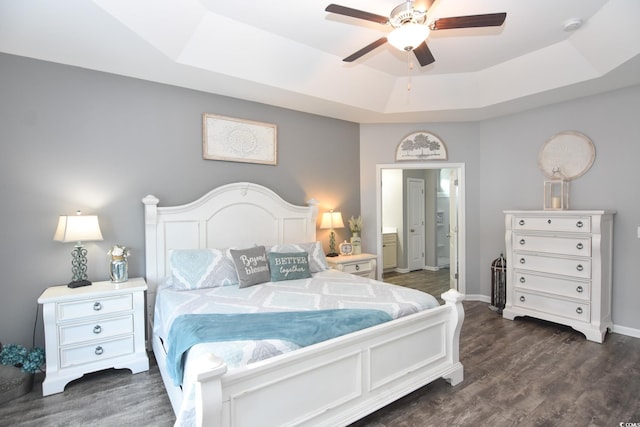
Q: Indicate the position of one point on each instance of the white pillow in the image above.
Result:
(201, 268)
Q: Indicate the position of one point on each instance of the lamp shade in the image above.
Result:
(77, 228)
(408, 36)
(331, 220)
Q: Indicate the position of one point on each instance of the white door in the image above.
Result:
(453, 229)
(415, 224)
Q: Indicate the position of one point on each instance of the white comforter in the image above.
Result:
(328, 289)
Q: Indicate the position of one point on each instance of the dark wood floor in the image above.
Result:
(517, 373)
(431, 282)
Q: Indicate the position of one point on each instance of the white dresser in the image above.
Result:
(361, 265)
(559, 268)
(92, 328)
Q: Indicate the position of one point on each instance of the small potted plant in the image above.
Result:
(19, 365)
(355, 225)
(118, 265)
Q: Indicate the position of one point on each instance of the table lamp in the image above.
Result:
(332, 220)
(78, 228)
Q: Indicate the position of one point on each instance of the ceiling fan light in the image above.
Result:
(408, 37)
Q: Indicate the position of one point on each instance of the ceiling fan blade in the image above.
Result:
(365, 50)
(424, 55)
(355, 13)
(486, 20)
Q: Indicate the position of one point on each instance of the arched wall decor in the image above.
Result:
(421, 146)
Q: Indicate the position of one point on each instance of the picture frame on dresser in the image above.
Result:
(559, 268)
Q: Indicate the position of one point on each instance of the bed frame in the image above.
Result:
(332, 383)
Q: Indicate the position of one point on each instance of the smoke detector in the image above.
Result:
(572, 24)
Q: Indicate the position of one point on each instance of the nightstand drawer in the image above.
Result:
(358, 267)
(100, 329)
(73, 356)
(94, 307)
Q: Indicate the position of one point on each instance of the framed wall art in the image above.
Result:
(422, 146)
(238, 140)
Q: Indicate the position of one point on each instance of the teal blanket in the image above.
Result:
(300, 327)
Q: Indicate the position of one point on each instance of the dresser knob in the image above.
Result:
(522, 298)
(579, 224)
(521, 222)
(357, 267)
(579, 246)
(579, 289)
(579, 267)
(522, 241)
(522, 279)
(97, 306)
(99, 350)
(579, 310)
(548, 221)
(522, 261)
(97, 329)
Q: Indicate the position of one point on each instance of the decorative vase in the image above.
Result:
(356, 243)
(119, 269)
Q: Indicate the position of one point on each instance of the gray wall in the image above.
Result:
(502, 173)
(78, 139)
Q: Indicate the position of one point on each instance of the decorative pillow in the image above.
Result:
(317, 260)
(201, 268)
(251, 265)
(288, 266)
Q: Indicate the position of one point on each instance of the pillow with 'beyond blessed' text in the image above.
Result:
(251, 265)
(289, 266)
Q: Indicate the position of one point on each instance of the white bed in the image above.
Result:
(341, 380)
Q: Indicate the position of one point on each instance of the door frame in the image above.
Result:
(460, 211)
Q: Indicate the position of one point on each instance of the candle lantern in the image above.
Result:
(556, 192)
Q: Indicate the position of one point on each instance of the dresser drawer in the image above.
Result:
(580, 268)
(553, 223)
(569, 309)
(551, 244)
(553, 285)
(94, 307)
(363, 267)
(73, 356)
(100, 329)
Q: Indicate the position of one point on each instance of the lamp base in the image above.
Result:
(79, 283)
(332, 254)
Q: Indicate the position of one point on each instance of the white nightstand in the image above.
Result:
(361, 264)
(92, 328)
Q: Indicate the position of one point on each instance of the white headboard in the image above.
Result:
(234, 215)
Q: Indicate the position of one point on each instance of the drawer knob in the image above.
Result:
(579, 267)
(522, 261)
(580, 246)
(579, 224)
(549, 221)
(521, 222)
(579, 289)
(99, 350)
(522, 241)
(97, 329)
(97, 306)
(357, 267)
(522, 298)
(579, 310)
(522, 279)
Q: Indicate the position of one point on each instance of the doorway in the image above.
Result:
(443, 216)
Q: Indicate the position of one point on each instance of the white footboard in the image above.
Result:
(339, 381)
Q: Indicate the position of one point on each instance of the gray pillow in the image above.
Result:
(317, 260)
(252, 266)
(289, 266)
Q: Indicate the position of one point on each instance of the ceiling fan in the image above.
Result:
(410, 27)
